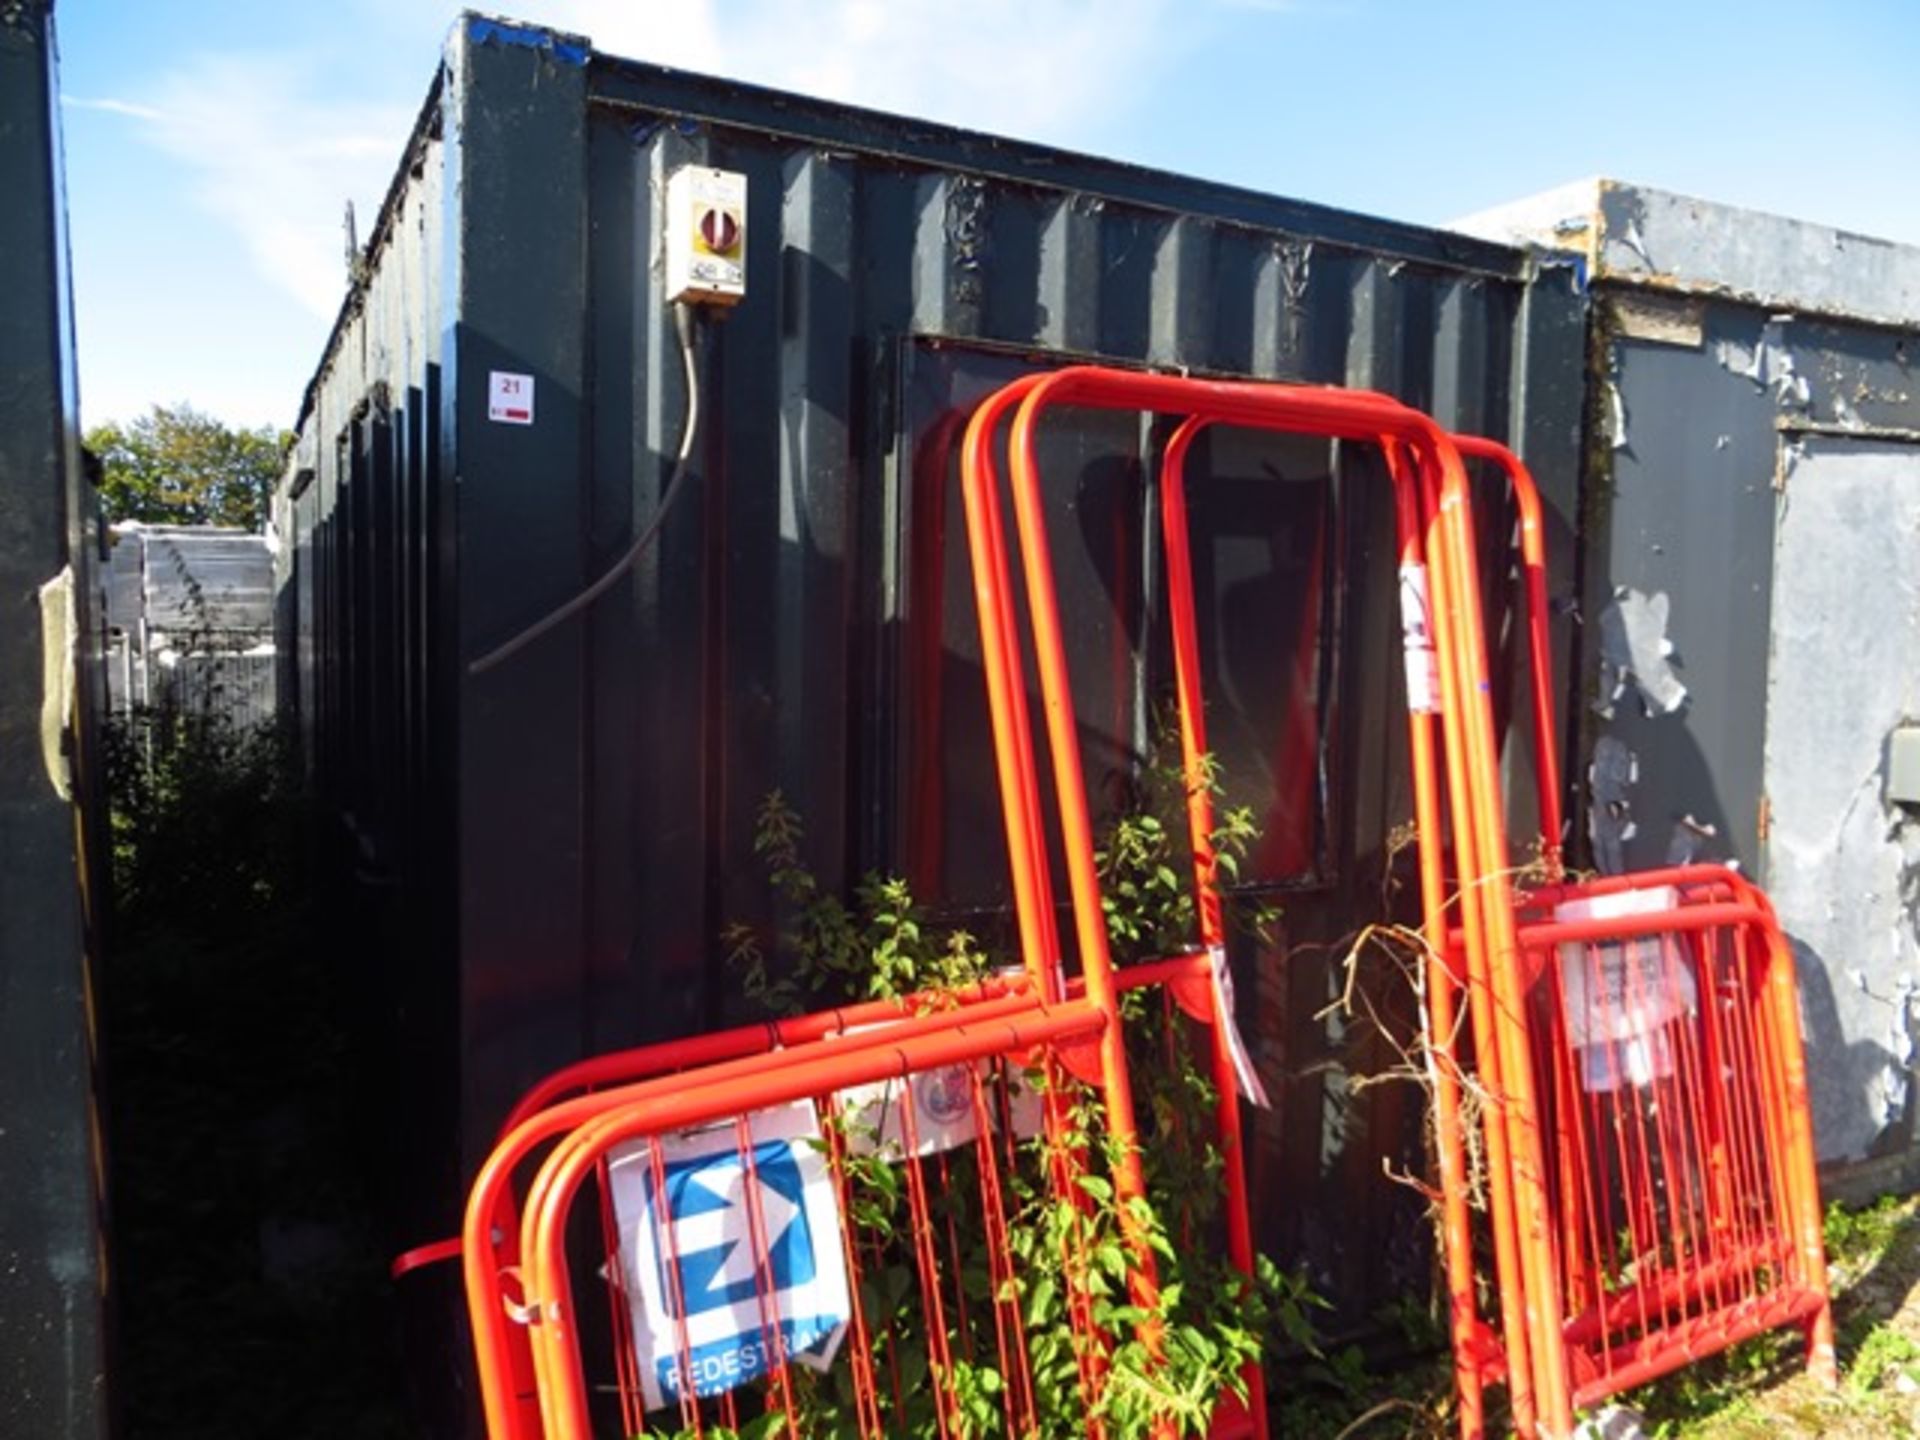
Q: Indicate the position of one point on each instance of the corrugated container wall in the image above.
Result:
(53, 1267)
(1753, 575)
(554, 846)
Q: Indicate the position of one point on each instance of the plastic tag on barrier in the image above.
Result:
(731, 1296)
(1223, 1013)
(1416, 632)
(943, 1114)
(1621, 996)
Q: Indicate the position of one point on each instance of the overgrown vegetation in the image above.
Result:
(1211, 1319)
(205, 818)
(250, 1293)
(251, 1290)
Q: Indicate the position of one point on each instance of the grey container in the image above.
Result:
(52, 1363)
(1752, 557)
(552, 848)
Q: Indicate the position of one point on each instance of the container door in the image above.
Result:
(1842, 854)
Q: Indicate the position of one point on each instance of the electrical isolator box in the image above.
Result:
(706, 235)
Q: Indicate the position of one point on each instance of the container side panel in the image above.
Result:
(1677, 602)
(516, 392)
(364, 653)
(52, 1361)
(805, 621)
(1843, 855)
(802, 620)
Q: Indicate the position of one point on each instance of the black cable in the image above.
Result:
(683, 324)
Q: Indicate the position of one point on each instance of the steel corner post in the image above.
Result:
(55, 1334)
(513, 303)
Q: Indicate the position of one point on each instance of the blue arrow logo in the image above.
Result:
(709, 1222)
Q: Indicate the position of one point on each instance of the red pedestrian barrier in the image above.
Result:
(1567, 1336)
(1666, 1030)
(965, 1059)
(1632, 1042)
(1450, 719)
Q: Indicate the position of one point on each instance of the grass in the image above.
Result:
(1758, 1390)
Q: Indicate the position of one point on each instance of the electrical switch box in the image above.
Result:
(1903, 765)
(706, 235)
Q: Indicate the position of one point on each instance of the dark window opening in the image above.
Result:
(1261, 520)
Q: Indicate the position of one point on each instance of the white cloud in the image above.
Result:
(274, 161)
(275, 158)
(112, 107)
(1049, 70)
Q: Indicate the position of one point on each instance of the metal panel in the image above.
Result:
(236, 686)
(202, 580)
(1843, 858)
(1672, 244)
(1688, 516)
(52, 1267)
(1683, 515)
(1744, 367)
(599, 832)
(757, 630)
(518, 291)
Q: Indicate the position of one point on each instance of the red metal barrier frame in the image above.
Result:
(556, 1105)
(562, 1384)
(489, 1234)
(1479, 824)
(1469, 743)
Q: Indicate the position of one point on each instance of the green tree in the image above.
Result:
(176, 466)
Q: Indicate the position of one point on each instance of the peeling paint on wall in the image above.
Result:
(1692, 841)
(1769, 364)
(1659, 319)
(1634, 648)
(1616, 416)
(1843, 861)
(1635, 241)
(1611, 776)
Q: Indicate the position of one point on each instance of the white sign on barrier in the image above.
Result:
(1620, 996)
(743, 1307)
(943, 1110)
(1224, 1016)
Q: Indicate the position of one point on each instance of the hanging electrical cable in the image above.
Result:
(684, 322)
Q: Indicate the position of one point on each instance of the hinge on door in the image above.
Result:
(1766, 817)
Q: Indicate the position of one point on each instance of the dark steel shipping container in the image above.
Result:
(545, 854)
(52, 1269)
(1752, 557)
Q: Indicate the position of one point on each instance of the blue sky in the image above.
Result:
(211, 145)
